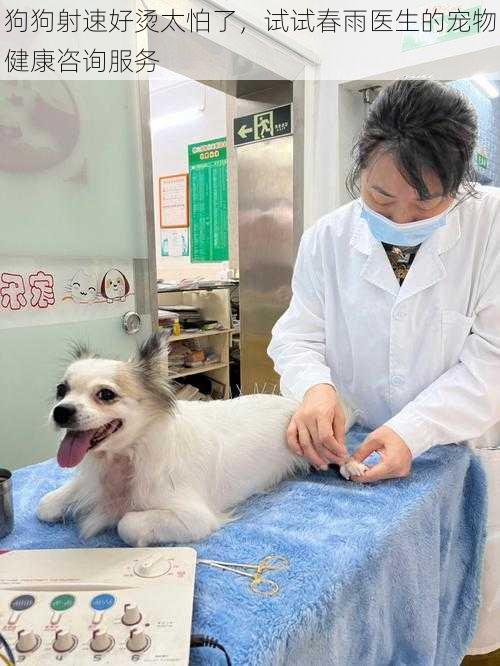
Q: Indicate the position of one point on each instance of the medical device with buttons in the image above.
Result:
(100, 606)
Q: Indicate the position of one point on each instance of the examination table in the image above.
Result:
(379, 574)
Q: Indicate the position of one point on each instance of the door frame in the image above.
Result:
(284, 58)
(144, 131)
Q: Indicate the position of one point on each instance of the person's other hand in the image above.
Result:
(316, 430)
(395, 456)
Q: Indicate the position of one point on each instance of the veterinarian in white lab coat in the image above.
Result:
(396, 305)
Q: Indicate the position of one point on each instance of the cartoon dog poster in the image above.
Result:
(114, 286)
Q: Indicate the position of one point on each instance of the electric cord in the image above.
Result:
(11, 660)
(198, 641)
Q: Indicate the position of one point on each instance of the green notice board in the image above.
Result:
(208, 200)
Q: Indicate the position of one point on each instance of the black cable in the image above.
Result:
(7, 649)
(198, 641)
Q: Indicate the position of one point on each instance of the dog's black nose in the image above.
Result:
(63, 414)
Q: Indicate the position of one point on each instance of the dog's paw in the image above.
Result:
(135, 530)
(352, 468)
(50, 508)
(93, 524)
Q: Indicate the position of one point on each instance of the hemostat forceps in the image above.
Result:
(258, 582)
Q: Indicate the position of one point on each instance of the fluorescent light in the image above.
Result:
(178, 118)
(486, 85)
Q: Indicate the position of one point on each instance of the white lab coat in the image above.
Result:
(423, 358)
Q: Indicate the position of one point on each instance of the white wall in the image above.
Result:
(170, 155)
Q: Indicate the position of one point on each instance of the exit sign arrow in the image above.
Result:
(244, 131)
(263, 125)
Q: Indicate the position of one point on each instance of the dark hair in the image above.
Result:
(424, 125)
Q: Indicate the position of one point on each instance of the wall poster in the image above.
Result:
(36, 291)
(174, 201)
(208, 200)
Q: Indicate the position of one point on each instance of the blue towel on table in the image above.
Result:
(383, 574)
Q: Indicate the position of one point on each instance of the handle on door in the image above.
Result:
(131, 323)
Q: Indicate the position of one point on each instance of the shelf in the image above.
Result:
(200, 369)
(208, 286)
(201, 334)
(214, 305)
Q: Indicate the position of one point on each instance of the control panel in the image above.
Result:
(98, 606)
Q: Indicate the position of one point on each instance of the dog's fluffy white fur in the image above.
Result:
(167, 471)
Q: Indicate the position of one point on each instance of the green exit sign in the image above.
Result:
(481, 161)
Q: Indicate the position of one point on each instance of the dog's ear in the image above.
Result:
(103, 285)
(151, 365)
(78, 350)
(154, 350)
(127, 284)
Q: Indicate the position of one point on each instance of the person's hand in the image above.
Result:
(316, 430)
(395, 456)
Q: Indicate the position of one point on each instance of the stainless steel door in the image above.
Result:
(266, 241)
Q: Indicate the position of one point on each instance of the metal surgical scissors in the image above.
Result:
(258, 582)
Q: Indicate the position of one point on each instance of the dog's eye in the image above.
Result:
(106, 395)
(61, 391)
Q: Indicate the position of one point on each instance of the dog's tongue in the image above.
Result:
(73, 447)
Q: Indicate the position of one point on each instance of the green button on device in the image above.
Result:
(62, 602)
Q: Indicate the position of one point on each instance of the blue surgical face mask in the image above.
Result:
(408, 234)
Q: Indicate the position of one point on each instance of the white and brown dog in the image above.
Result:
(162, 470)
